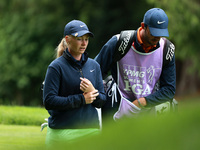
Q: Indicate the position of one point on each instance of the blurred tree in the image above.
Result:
(31, 29)
(184, 22)
(110, 17)
(26, 47)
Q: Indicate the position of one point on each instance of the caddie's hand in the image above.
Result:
(86, 85)
(141, 103)
(90, 96)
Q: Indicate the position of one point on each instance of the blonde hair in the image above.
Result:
(61, 47)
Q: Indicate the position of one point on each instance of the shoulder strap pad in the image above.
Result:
(168, 52)
(123, 45)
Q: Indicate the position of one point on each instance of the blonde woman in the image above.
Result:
(73, 88)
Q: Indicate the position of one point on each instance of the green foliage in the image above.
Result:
(18, 115)
(31, 29)
(172, 131)
(176, 131)
(25, 49)
(184, 21)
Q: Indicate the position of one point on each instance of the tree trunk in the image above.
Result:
(187, 83)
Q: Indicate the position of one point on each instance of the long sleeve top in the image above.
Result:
(63, 98)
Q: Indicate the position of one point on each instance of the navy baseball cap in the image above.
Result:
(157, 21)
(77, 28)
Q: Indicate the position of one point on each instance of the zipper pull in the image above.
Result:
(81, 73)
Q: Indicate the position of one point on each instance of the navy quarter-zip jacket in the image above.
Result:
(63, 98)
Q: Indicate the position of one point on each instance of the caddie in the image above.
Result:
(142, 65)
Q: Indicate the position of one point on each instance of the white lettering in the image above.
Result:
(124, 43)
(134, 73)
(170, 52)
(127, 86)
(139, 90)
(147, 90)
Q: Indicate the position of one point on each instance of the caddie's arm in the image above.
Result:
(105, 56)
(167, 86)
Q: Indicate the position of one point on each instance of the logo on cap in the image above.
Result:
(161, 22)
(82, 26)
(76, 34)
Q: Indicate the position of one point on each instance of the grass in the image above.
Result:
(20, 115)
(15, 137)
(20, 127)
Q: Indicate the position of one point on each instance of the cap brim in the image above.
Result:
(159, 32)
(83, 32)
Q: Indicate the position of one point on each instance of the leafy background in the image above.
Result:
(30, 30)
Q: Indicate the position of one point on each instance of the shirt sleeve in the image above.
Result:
(167, 86)
(51, 99)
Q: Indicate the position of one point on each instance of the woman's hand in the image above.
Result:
(86, 85)
(90, 93)
(90, 96)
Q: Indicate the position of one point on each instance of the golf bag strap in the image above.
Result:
(168, 52)
(124, 43)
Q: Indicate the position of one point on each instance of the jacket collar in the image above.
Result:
(73, 61)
